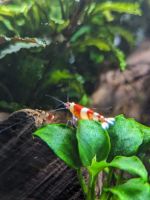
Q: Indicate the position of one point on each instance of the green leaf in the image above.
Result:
(108, 15)
(96, 167)
(134, 189)
(62, 140)
(13, 45)
(13, 10)
(58, 75)
(132, 165)
(62, 26)
(97, 42)
(85, 100)
(126, 34)
(125, 137)
(121, 58)
(96, 57)
(7, 23)
(146, 136)
(92, 141)
(121, 7)
(83, 30)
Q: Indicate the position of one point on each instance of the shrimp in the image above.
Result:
(81, 112)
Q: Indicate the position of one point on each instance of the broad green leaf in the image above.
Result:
(13, 45)
(121, 7)
(125, 137)
(134, 189)
(62, 140)
(132, 165)
(146, 136)
(93, 141)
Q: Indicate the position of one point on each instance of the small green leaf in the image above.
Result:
(99, 43)
(62, 140)
(92, 141)
(126, 34)
(121, 7)
(132, 165)
(96, 167)
(58, 75)
(85, 100)
(83, 30)
(125, 137)
(121, 58)
(134, 189)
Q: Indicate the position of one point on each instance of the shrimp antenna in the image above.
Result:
(58, 109)
(55, 99)
(68, 92)
(67, 98)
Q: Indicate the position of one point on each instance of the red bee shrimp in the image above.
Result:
(81, 112)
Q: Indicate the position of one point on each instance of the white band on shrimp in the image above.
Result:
(95, 116)
(83, 113)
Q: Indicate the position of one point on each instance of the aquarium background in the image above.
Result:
(62, 48)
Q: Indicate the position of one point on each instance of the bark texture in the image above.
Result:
(28, 169)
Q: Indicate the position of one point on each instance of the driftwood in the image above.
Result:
(28, 168)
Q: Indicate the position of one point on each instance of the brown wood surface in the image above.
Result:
(28, 168)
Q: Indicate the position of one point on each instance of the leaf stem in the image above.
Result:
(62, 9)
(82, 182)
(91, 187)
(106, 195)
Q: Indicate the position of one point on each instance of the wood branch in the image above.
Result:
(28, 169)
(74, 18)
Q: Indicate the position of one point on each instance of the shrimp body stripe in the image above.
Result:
(96, 116)
(77, 110)
(84, 113)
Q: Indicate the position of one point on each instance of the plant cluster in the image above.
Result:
(114, 152)
(58, 47)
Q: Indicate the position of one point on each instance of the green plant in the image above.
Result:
(112, 152)
(58, 47)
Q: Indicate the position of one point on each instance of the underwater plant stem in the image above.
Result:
(106, 195)
(109, 179)
(82, 181)
(91, 187)
(119, 178)
(62, 9)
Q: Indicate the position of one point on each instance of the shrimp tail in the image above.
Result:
(108, 122)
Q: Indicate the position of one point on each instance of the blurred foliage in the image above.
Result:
(58, 47)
